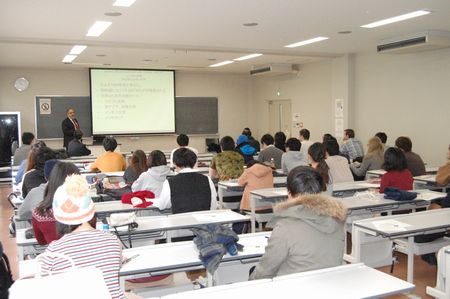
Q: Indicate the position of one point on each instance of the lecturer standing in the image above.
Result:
(69, 125)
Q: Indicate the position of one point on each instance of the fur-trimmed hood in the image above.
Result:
(319, 211)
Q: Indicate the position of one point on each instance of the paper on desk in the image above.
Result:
(390, 225)
(428, 196)
(280, 192)
(205, 217)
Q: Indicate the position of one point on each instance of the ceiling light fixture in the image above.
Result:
(221, 63)
(69, 58)
(252, 24)
(77, 49)
(98, 28)
(407, 16)
(307, 42)
(247, 57)
(113, 14)
(124, 3)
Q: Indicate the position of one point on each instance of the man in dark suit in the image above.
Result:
(76, 147)
(69, 125)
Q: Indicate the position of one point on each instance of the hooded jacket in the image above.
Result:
(309, 234)
(152, 180)
(257, 176)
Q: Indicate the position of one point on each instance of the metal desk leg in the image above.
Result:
(252, 213)
(410, 250)
(220, 191)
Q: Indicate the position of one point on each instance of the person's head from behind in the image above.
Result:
(280, 139)
(404, 143)
(72, 205)
(304, 134)
(304, 180)
(109, 144)
(327, 137)
(227, 143)
(78, 134)
(267, 139)
(27, 138)
(156, 158)
(247, 132)
(43, 155)
(382, 136)
(348, 134)
(139, 161)
(316, 152)
(394, 160)
(184, 158)
(293, 144)
(374, 146)
(56, 178)
(332, 147)
(35, 148)
(183, 140)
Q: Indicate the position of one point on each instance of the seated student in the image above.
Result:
(228, 164)
(339, 168)
(397, 174)
(153, 179)
(413, 161)
(21, 153)
(44, 223)
(304, 135)
(371, 161)
(309, 231)
(252, 141)
(76, 146)
(244, 148)
(35, 177)
(383, 137)
(316, 156)
(188, 191)
(327, 137)
(443, 179)
(138, 165)
(280, 141)
(293, 156)
(109, 161)
(257, 175)
(269, 152)
(183, 142)
(74, 212)
(35, 196)
(352, 147)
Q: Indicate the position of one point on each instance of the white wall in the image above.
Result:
(407, 95)
(310, 95)
(231, 89)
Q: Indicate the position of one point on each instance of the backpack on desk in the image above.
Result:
(5, 274)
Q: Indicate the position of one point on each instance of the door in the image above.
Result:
(280, 118)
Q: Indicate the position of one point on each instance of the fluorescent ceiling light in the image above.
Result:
(124, 3)
(247, 57)
(69, 58)
(76, 50)
(98, 28)
(307, 42)
(397, 19)
(221, 63)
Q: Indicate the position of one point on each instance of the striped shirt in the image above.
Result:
(89, 248)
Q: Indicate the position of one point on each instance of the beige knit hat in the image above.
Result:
(72, 204)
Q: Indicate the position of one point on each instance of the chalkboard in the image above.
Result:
(51, 111)
(196, 115)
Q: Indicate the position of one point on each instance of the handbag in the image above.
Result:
(113, 186)
(72, 283)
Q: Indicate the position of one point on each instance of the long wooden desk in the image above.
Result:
(407, 225)
(377, 173)
(348, 281)
(428, 181)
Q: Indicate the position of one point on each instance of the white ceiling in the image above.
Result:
(192, 34)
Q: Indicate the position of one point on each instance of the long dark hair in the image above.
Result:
(139, 162)
(156, 158)
(57, 177)
(317, 153)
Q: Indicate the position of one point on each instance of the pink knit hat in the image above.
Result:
(72, 204)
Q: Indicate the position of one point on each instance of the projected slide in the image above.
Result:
(132, 101)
